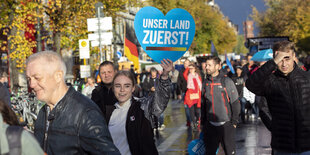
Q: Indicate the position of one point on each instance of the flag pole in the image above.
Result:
(124, 35)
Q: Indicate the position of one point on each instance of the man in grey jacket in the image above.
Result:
(220, 109)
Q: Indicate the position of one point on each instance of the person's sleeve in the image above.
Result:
(264, 113)
(95, 96)
(203, 118)
(185, 74)
(156, 103)
(94, 134)
(180, 83)
(162, 95)
(256, 82)
(30, 144)
(234, 100)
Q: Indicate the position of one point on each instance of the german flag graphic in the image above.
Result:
(130, 48)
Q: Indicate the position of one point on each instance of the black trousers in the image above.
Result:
(214, 135)
(194, 112)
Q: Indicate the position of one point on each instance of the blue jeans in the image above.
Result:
(288, 153)
(173, 89)
(243, 103)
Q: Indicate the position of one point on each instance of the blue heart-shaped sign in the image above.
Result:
(164, 37)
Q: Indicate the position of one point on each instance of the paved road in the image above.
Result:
(252, 138)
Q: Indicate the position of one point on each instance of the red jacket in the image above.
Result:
(187, 100)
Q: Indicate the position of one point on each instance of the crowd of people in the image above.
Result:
(118, 115)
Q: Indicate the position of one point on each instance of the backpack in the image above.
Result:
(13, 134)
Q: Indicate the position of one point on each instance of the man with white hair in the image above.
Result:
(69, 123)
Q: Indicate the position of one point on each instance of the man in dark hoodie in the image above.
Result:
(103, 95)
(220, 109)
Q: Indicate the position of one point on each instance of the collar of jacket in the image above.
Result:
(103, 85)
(111, 108)
(220, 75)
(132, 100)
(62, 102)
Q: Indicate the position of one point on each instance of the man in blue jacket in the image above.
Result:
(220, 109)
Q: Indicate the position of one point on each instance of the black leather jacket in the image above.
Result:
(103, 96)
(288, 99)
(76, 126)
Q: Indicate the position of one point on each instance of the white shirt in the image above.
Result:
(117, 127)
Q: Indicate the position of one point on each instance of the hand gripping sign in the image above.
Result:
(164, 37)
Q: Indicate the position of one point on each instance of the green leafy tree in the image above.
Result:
(211, 25)
(240, 48)
(17, 18)
(68, 19)
(286, 18)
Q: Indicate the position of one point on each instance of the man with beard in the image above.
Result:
(220, 109)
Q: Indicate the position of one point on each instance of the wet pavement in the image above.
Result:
(252, 138)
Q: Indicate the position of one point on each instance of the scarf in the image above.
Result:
(190, 81)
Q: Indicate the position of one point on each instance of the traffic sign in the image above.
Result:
(95, 43)
(105, 24)
(119, 54)
(84, 48)
(104, 36)
(85, 71)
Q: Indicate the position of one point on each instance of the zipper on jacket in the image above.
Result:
(291, 91)
(224, 102)
(47, 124)
(211, 92)
(227, 95)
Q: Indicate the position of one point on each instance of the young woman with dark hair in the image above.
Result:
(130, 120)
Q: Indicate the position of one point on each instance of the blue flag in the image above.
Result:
(229, 64)
(213, 50)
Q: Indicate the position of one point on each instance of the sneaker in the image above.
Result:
(162, 127)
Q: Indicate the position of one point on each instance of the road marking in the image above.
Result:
(171, 139)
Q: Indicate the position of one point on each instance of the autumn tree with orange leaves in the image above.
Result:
(65, 20)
